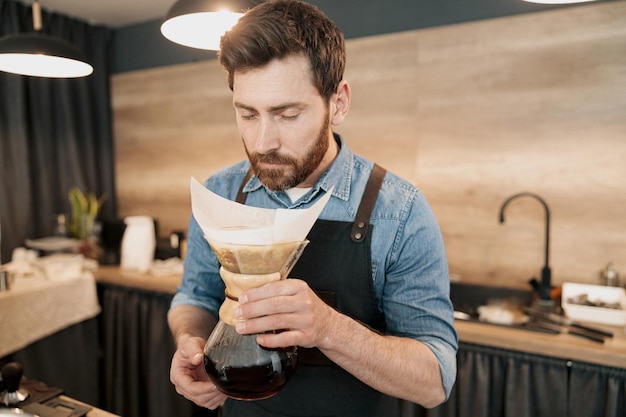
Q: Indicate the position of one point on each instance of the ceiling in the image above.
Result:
(111, 13)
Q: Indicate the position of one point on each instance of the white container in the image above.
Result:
(138, 243)
(595, 294)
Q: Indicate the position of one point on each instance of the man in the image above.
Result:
(386, 330)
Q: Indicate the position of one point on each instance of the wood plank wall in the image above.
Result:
(471, 113)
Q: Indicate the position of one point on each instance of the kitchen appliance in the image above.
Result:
(138, 243)
(11, 375)
(111, 236)
(30, 398)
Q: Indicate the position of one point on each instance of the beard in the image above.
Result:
(294, 171)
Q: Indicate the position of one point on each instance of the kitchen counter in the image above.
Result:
(94, 412)
(32, 310)
(118, 276)
(612, 353)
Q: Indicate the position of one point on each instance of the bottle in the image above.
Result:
(60, 228)
(609, 276)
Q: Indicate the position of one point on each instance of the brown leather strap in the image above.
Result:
(241, 196)
(363, 214)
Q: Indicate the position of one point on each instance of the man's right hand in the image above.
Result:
(189, 377)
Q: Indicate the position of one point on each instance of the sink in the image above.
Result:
(466, 298)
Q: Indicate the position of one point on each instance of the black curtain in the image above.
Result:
(68, 359)
(597, 390)
(138, 349)
(54, 133)
(495, 382)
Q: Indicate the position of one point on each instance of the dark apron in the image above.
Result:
(337, 265)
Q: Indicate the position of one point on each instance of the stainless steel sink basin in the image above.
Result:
(467, 298)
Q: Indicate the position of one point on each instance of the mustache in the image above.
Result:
(271, 158)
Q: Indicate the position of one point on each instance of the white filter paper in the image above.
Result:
(227, 221)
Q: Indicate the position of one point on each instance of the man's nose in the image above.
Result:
(267, 138)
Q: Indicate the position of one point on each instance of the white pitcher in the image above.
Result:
(138, 243)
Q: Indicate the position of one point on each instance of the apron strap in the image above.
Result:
(366, 206)
(241, 196)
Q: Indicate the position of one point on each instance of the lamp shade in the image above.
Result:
(41, 55)
(201, 23)
(557, 1)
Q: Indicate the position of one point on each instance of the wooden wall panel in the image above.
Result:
(529, 103)
(470, 113)
(170, 124)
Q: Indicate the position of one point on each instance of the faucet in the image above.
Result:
(546, 274)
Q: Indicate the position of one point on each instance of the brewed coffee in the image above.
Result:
(254, 373)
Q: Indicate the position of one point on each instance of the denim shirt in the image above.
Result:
(409, 265)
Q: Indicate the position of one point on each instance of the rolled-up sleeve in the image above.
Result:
(416, 285)
(201, 285)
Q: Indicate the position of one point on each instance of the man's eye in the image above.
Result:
(248, 116)
(289, 116)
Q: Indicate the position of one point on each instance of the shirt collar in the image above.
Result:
(339, 174)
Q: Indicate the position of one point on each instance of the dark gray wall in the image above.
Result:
(142, 46)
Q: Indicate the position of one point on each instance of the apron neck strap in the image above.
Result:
(366, 206)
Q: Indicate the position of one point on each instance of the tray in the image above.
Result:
(595, 294)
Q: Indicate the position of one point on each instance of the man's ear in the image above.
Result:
(340, 103)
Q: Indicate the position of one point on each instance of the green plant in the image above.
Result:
(85, 209)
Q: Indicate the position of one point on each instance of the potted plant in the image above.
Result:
(85, 209)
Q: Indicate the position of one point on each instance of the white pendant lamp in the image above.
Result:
(557, 1)
(201, 23)
(40, 55)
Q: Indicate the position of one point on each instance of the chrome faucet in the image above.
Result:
(546, 275)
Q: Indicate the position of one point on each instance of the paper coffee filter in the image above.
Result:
(227, 221)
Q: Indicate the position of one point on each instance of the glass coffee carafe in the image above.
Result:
(237, 365)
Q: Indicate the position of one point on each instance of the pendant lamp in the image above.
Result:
(201, 23)
(557, 1)
(40, 55)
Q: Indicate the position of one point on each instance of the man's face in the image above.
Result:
(284, 123)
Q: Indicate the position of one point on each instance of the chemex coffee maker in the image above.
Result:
(254, 246)
(237, 365)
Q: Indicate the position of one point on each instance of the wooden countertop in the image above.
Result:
(116, 275)
(610, 353)
(94, 412)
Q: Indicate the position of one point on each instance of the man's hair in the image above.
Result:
(277, 29)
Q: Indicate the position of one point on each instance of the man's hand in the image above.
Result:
(386, 363)
(290, 306)
(189, 377)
